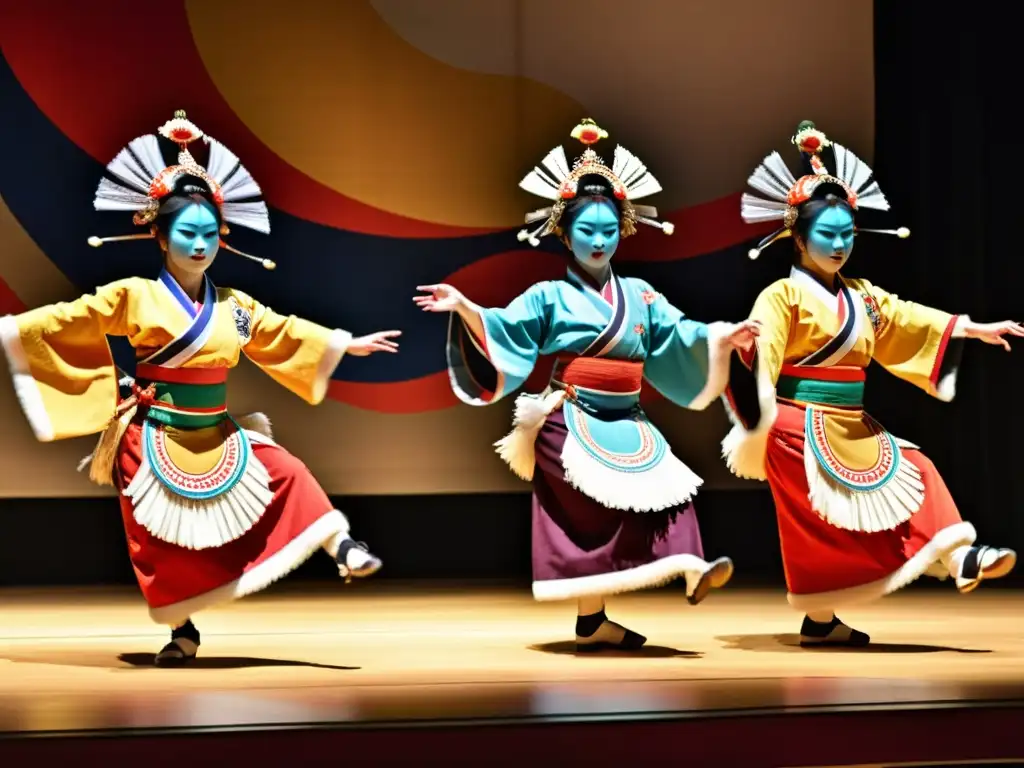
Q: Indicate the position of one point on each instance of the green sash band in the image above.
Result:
(836, 393)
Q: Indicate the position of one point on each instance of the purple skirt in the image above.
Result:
(582, 548)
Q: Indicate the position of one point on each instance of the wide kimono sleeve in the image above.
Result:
(918, 344)
(64, 374)
(685, 360)
(750, 396)
(298, 354)
(482, 371)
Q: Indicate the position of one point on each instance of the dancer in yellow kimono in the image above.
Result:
(860, 512)
(212, 507)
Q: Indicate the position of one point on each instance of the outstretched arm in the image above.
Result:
(446, 298)
(490, 352)
(922, 345)
(61, 364)
(993, 333)
(301, 355)
(688, 361)
(750, 397)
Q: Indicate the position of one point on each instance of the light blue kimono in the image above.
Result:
(614, 454)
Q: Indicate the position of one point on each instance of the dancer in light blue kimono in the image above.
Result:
(612, 505)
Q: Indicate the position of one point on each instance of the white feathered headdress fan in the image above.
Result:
(143, 174)
(784, 194)
(628, 177)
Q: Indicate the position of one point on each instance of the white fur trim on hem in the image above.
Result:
(718, 366)
(337, 344)
(258, 424)
(670, 483)
(518, 447)
(26, 388)
(323, 532)
(642, 577)
(744, 450)
(922, 563)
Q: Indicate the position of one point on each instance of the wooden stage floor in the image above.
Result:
(374, 653)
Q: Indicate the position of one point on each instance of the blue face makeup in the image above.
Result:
(193, 238)
(594, 235)
(829, 239)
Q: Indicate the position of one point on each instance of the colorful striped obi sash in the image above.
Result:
(598, 375)
(599, 384)
(186, 398)
(835, 386)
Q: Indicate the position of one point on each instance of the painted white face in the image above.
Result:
(594, 235)
(193, 238)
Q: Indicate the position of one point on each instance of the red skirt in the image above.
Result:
(827, 567)
(177, 582)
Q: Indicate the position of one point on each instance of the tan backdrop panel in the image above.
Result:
(701, 90)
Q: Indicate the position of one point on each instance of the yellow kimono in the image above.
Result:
(210, 507)
(855, 504)
(65, 375)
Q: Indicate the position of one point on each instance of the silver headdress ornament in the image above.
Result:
(142, 179)
(629, 179)
(784, 194)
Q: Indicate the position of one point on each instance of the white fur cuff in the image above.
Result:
(945, 389)
(744, 450)
(25, 386)
(960, 327)
(718, 366)
(337, 344)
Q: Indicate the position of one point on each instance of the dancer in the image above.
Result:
(860, 512)
(212, 507)
(612, 508)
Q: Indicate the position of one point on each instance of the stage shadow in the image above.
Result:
(568, 648)
(143, 660)
(228, 662)
(791, 644)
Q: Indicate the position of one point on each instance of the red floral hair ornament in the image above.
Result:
(782, 194)
(140, 177)
(554, 180)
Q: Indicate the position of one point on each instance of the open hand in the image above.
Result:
(742, 336)
(993, 333)
(381, 341)
(439, 298)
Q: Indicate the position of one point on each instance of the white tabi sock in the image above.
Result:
(954, 562)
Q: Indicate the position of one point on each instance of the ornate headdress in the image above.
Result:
(628, 177)
(141, 176)
(784, 194)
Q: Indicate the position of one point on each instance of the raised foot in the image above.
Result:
(717, 575)
(355, 560)
(982, 563)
